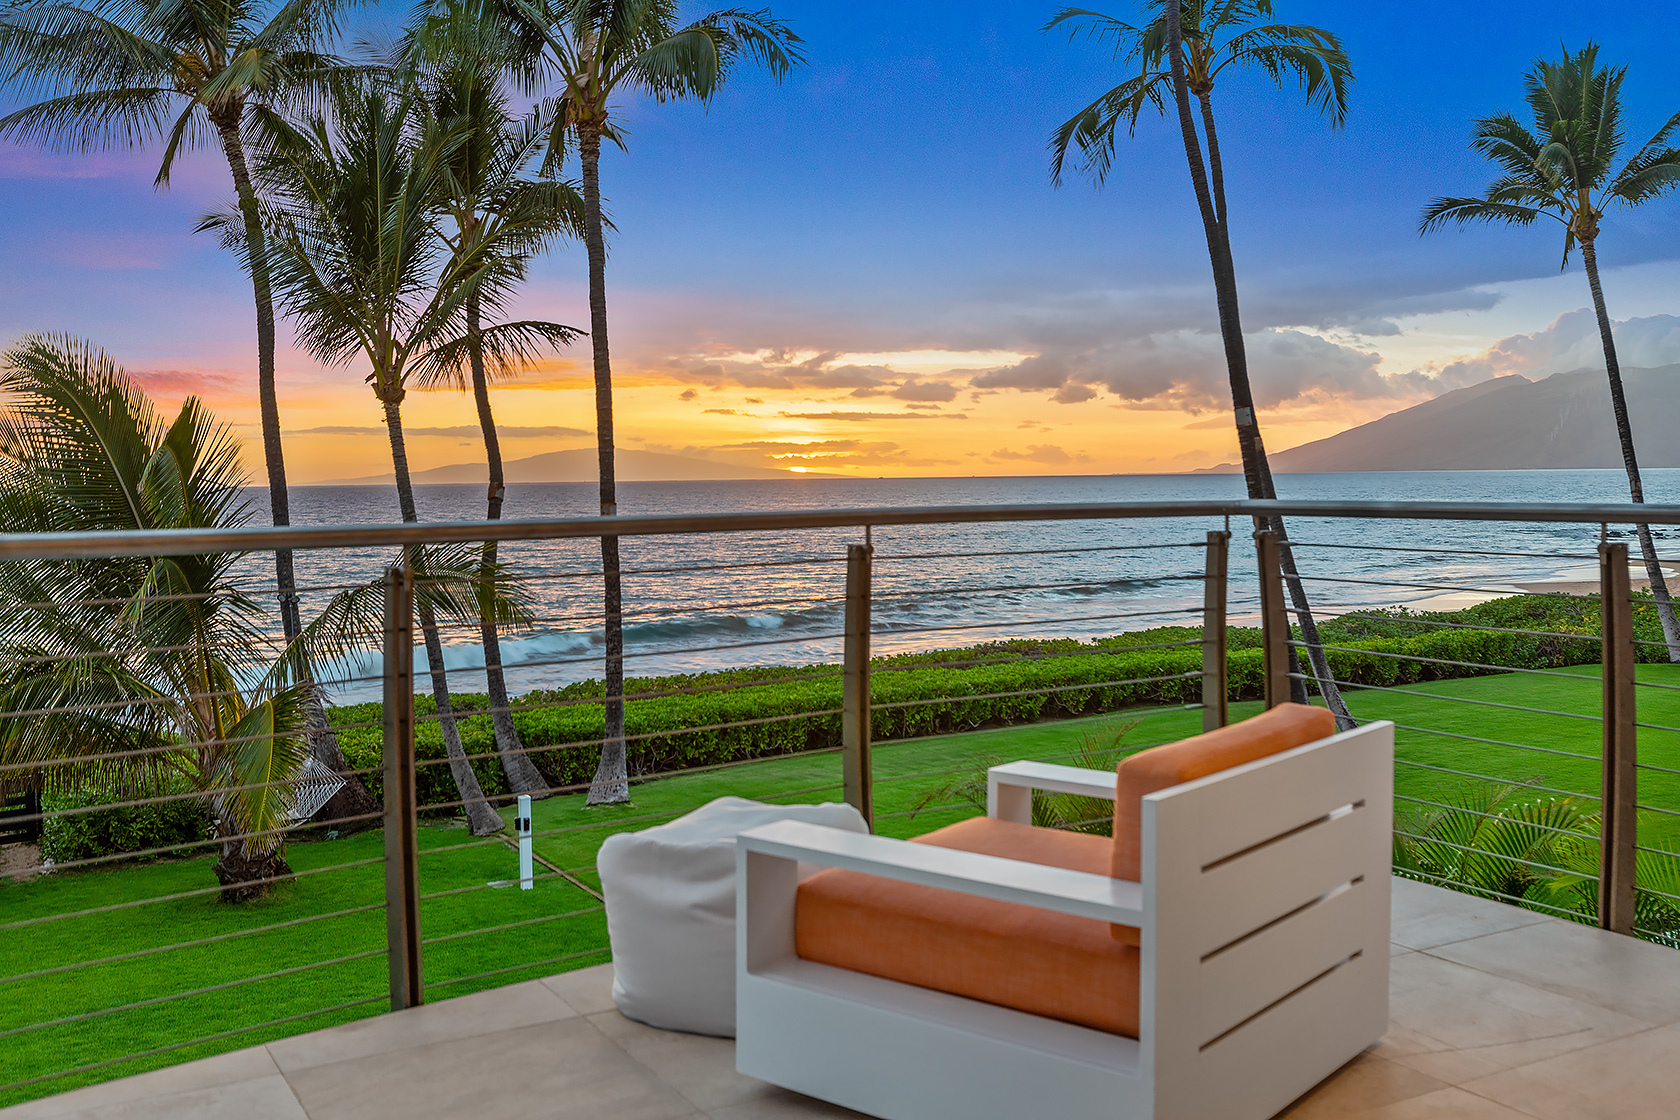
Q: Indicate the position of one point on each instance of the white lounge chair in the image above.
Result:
(1259, 914)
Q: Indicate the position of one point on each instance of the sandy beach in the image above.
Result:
(1573, 584)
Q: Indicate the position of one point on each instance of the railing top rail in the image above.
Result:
(181, 542)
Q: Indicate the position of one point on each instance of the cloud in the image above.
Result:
(823, 371)
(836, 453)
(914, 390)
(727, 412)
(871, 416)
(1186, 369)
(687, 395)
(182, 382)
(1042, 453)
(1380, 319)
(1570, 342)
(505, 432)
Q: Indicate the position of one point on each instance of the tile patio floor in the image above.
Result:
(1498, 1014)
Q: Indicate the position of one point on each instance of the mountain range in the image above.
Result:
(1509, 423)
(578, 464)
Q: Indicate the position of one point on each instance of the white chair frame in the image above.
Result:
(1263, 911)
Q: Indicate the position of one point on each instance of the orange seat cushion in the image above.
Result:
(1038, 961)
(1282, 728)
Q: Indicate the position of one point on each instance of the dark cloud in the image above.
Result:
(1186, 370)
(1378, 319)
(914, 390)
(1073, 394)
(687, 395)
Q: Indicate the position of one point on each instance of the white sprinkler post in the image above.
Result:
(522, 826)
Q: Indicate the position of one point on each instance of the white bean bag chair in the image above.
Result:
(670, 894)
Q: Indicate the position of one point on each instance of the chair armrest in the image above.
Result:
(1006, 880)
(1009, 788)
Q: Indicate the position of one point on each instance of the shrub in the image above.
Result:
(132, 828)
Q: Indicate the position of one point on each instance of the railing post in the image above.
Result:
(854, 719)
(1215, 682)
(1274, 620)
(1619, 832)
(402, 853)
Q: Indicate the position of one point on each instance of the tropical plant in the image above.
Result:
(595, 50)
(125, 75)
(1100, 748)
(1566, 170)
(365, 272)
(1510, 842)
(135, 671)
(497, 214)
(1183, 49)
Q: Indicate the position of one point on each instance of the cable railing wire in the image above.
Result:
(171, 849)
(136, 954)
(178, 895)
(202, 1041)
(174, 996)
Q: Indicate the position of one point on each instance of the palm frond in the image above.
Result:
(1464, 211)
(509, 349)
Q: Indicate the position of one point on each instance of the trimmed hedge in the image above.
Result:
(778, 710)
(134, 828)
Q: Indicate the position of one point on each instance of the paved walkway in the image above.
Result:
(1498, 1014)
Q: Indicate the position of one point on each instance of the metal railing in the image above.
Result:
(864, 586)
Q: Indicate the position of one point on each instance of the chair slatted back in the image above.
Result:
(1269, 889)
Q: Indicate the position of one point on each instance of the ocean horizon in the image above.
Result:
(772, 598)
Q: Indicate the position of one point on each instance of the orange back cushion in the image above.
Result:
(1282, 728)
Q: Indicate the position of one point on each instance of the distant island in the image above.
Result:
(578, 464)
(1562, 422)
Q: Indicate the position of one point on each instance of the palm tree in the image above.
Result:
(183, 73)
(1566, 170)
(364, 271)
(594, 50)
(499, 215)
(138, 668)
(1183, 49)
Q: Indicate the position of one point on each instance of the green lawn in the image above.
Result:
(569, 834)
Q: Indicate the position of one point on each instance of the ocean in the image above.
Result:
(773, 598)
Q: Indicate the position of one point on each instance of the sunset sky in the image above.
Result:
(867, 270)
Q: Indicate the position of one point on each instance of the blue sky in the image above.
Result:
(884, 221)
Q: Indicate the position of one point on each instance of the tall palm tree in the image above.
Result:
(136, 668)
(183, 73)
(596, 50)
(1566, 170)
(1182, 50)
(497, 216)
(364, 272)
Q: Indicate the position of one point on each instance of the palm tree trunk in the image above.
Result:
(522, 774)
(611, 784)
(353, 800)
(481, 818)
(1256, 471)
(1624, 432)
